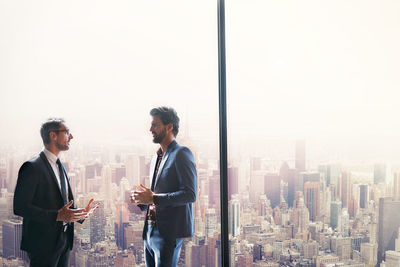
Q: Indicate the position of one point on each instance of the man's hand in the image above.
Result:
(65, 214)
(91, 208)
(142, 195)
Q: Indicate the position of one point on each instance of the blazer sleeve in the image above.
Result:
(186, 172)
(28, 180)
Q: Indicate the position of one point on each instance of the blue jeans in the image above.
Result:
(159, 251)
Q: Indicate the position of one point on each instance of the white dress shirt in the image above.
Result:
(53, 163)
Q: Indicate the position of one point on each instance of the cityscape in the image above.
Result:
(281, 213)
(313, 149)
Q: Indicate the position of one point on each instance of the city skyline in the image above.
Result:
(289, 197)
(312, 104)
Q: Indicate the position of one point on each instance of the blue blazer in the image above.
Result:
(176, 188)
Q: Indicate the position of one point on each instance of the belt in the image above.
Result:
(151, 222)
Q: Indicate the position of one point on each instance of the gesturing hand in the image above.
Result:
(91, 208)
(144, 196)
(66, 214)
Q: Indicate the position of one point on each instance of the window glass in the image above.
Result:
(103, 66)
(312, 131)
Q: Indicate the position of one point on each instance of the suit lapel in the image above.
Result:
(152, 168)
(50, 169)
(164, 159)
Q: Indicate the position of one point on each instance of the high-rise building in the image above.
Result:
(369, 253)
(345, 183)
(132, 165)
(195, 254)
(125, 259)
(353, 207)
(396, 186)
(12, 233)
(300, 155)
(272, 188)
(310, 249)
(364, 195)
(106, 186)
(300, 216)
(211, 222)
(336, 208)
(255, 164)
(312, 199)
(234, 217)
(392, 258)
(233, 181)
(291, 177)
(389, 223)
(214, 192)
(97, 225)
(245, 260)
(344, 223)
(379, 173)
(263, 205)
(120, 172)
(3, 176)
(122, 219)
(333, 174)
(257, 180)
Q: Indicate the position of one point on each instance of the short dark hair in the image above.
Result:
(51, 124)
(167, 115)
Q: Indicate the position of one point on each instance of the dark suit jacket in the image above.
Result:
(37, 198)
(176, 187)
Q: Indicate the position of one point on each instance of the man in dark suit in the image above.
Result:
(168, 203)
(43, 197)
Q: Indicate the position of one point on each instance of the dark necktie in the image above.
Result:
(62, 182)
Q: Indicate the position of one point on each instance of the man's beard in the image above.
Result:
(62, 147)
(158, 138)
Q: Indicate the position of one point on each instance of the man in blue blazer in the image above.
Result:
(168, 203)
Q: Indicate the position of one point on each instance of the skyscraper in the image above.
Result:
(345, 189)
(3, 176)
(133, 169)
(233, 182)
(396, 186)
(336, 208)
(12, 233)
(392, 258)
(234, 217)
(211, 222)
(333, 173)
(363, 196)
(97, 225)
(389, 223)
(379, 173)
(272, 188)
(300, 156)
(312, 199)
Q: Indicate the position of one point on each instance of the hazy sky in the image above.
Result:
(324, 71)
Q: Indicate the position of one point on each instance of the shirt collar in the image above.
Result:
(50, 156)
(160, 152)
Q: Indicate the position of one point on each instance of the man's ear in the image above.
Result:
(53, 136)
(170, 127)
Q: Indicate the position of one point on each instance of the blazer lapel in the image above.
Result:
(164, 159)
(152, 168)
(50, 169)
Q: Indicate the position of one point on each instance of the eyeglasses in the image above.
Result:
(66, 131)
